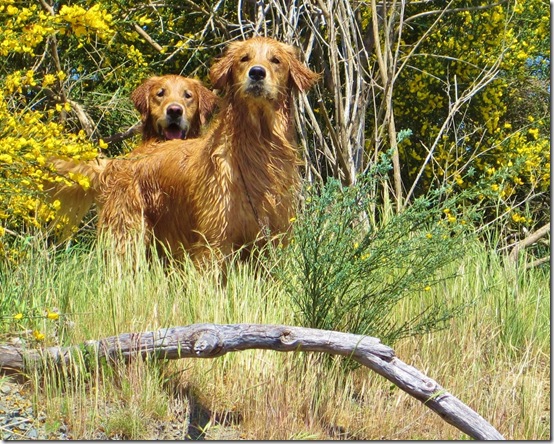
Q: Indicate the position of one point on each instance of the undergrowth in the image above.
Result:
(481, 326)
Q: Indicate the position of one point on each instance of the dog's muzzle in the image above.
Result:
(256, 81)
(174, 126)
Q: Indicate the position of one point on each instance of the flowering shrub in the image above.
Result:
(28, 139)
(68, 69)
(502, 132)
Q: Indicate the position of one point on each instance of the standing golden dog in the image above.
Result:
(233, 186)
(171, 107)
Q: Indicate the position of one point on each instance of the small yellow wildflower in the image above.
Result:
(534, 132)
(49, 79)
(103, 145)
(18, 316)
(6, 158)
(429, 236)
(427, 288)
(518, 218)
(38, 335)
(84, 182)
(292, 219)
(53, 315)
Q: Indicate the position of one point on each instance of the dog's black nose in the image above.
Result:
(257, 73)
(174, 111)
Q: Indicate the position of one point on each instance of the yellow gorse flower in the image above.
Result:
(53, 315)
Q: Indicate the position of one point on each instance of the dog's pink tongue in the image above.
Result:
(174, 132)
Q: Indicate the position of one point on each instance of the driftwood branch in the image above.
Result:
(529, 240)
(211, 340)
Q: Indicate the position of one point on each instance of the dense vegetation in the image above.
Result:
(426, 163)
(458, 92)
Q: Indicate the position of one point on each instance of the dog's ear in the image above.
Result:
(140, 96)
(207, 102)
(221, 70)
(302, 77)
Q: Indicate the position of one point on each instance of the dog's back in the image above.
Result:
(171, 107)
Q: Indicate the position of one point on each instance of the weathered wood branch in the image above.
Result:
(538, 262)
(529, 240)
(211, 340)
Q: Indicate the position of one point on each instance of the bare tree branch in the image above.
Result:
(147, 37)
(128, 133)
(211, 340)
(529, 240)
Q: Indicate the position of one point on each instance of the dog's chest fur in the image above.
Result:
(251, 183)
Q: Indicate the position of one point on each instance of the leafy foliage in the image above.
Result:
(459, 91)
(347, 274)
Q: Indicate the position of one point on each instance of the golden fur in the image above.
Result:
(171, 107)
(233, 186)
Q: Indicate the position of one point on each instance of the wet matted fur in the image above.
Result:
(171, 107)
(233, 186)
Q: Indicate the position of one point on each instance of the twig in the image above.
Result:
(147, 37)
(128, 133)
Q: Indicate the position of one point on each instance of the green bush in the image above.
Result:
(345, 273)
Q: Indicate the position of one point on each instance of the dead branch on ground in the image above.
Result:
(212, 340)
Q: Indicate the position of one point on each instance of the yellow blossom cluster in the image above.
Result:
(28, 139)
(25, 28)
(84, 22)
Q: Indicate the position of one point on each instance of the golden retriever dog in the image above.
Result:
(233, 187)
(171, 107)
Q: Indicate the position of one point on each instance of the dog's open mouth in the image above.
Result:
(173, 131)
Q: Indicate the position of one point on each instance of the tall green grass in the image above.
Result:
(495, 357)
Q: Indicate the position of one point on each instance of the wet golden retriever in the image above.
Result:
(234, 186)
(171, 107)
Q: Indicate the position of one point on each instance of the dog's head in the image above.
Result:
(173, 107)
(262, 68)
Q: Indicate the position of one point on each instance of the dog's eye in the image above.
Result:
(188, 95)
(275, 60)
(245, 58)
(160, 93)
